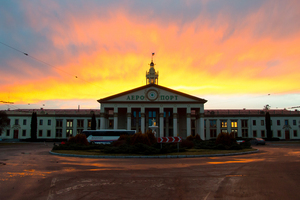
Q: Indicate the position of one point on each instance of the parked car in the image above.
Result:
(256, 141)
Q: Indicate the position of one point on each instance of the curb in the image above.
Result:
(164, 156)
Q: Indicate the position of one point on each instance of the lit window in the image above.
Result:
(223, 123)
(234, 124)
(69, 123)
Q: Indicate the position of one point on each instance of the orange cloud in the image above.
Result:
(111, 54)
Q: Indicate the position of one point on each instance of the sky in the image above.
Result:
(64, 53)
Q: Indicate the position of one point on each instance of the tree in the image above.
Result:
(3, 121)
(268, 125)
(33, 125)
(93, 125)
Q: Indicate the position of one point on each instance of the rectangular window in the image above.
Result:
(223, 123)
(213, 123)
(254, 133)
(24, 133)
(295, 133)
(59, 122)
(98, 123)
(262, 133)
(278, 122)
(294, 122)
(286, 122)
(234, 124)
(48, 133)
(24, 121)
(89, 123)
(58, 133)
(69, 133)
(40, 133)
(49, 122)
(244, 132)
(16, 121)
(244, 123)
(213, 133)
(69, 123)
(279, 133)
(7, 132)
(254, 122)
(41, 122)
(79, 123)
(262, 122)
(234, 131)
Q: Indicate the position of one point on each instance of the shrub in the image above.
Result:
(226, 139)
(146, 138)
(78, 139)
(194, 137)
(187, 144)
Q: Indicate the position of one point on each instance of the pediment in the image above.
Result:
(152, 93)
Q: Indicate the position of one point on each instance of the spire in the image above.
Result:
(152, 76)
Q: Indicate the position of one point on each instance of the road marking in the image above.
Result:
(50, 195)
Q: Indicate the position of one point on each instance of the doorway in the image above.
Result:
(16, 134)
(287, 134)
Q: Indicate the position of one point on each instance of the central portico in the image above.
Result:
(135, 109)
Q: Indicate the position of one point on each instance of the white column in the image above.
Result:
(143, 119)
(207, 129)
(161, 121)
(201, 119)
(128, 118)
(175, 115)
(228, 126)
(239, 123)
(188, 121)
(218, 127)
(102, 117)
(175, 131)
(115, 117)
(161, 124)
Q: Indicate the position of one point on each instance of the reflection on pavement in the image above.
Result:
(236, 161)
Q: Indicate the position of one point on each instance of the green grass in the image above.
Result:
(188, 152)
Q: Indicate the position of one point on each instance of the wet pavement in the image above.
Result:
(28, 171)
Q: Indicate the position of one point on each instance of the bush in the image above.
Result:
(188, 144)
(147, 138)
(226, 139)
(194, 137)
(78, 139)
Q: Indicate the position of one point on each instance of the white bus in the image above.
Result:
(105, 136)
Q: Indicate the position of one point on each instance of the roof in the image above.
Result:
(106, 99)
(64, 112)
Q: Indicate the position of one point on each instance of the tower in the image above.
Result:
(152, 76)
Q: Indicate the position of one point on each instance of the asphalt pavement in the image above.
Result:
(28, 171)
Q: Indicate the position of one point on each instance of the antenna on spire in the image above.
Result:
(152, 57)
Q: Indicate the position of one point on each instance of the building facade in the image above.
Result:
(175, 113)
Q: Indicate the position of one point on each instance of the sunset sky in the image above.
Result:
(234, 53)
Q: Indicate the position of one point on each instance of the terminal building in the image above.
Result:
(175, 113)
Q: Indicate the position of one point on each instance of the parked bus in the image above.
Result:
(105, 136)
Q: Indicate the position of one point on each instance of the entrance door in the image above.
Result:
(16, 134)
(287, 135)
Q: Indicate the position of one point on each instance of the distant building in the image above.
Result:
(175, 114)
